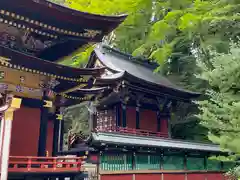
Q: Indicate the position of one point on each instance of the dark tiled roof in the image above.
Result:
(143, 70)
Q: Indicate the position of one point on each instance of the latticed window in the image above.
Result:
(106, 120)
(195, 163)
(147, 162)
(173, 162)
(213, 165)
(228, 165)
(116, 162)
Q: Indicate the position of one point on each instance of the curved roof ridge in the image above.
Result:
(81, 13)
(137, 60)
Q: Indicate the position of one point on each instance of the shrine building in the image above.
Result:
(130, 136)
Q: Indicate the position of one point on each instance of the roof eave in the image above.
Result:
(154, 142)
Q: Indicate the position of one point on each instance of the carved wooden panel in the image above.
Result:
(106, 120)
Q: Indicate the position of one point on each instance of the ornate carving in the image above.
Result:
(53, 83)
(2, 75)
(22, 79)
(91, 33)
(21, 39)
(29, 92)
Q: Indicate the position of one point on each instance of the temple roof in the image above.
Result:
(50, 31)
(129, 140)
(140, 72)
(27, 75)
(69, 76)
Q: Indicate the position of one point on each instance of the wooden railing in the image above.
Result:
(137, 132)
(45, 164)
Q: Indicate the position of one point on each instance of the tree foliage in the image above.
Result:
(184, 25)
(220, 113)
(76, 120)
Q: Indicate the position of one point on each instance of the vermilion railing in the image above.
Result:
(45, 164)
(138, 132)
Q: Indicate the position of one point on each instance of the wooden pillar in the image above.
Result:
(162, 159)
(164, 107)
(205, 162)
(118, 116)
(169, 126)
(138, 105)
(185, 160)
(61, 135)
(158, 121)
(56, 128)
(133, 161)
(137, 117)
(7, 119)
(124, 115)
(2, 124)
(42, 141)
(1, 134)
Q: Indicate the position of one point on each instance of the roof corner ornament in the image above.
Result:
(92, 33)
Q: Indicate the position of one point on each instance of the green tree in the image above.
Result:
(76, 120)
(220, 113)
(184, 25)
(180, 28)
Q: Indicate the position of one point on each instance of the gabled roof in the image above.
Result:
(127, 67)
(57, 30)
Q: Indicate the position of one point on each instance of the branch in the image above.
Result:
(226, 130)
(184, 121)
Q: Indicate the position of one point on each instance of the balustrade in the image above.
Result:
(45, 164)
(132, 131)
